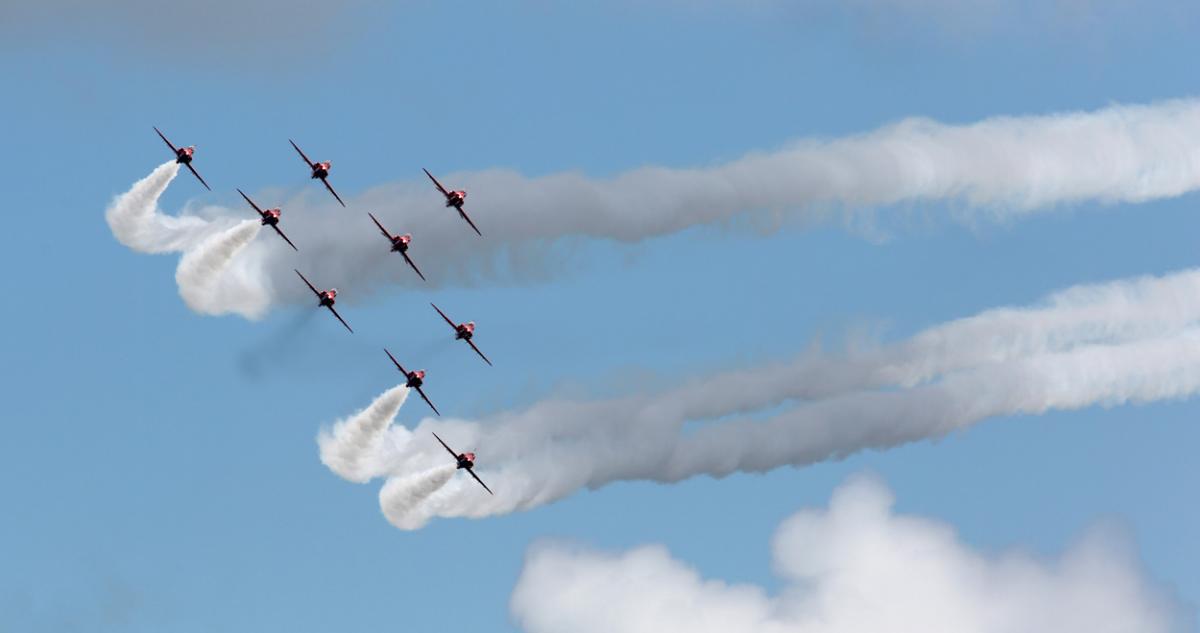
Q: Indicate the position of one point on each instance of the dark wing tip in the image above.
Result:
(285, 238)
(335, 194)
(414, 266)
(395, 362)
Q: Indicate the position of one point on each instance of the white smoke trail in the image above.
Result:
(1111, 312)
(999, 168)
(1107, 344)
(211, 279)
(201, 267)
(400, 495)
(136, 222)
(350, 447)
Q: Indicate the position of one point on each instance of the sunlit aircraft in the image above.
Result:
(465, 461)
(326, 299)
(270, 218)
(413, 380)
(464, 331)
(399, 244)
(319, 170)
(183, 156)
(454, 199)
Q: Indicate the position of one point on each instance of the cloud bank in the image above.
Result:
(998, 169)
(1128, 341)
(856, 566)
(214, 31)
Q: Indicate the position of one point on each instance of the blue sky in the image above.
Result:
(160, 467)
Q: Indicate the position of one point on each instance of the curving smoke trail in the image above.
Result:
(201, 267)
(350, 448)
(212, 279)
(999, 168)
(136, 222)
(1130, 341)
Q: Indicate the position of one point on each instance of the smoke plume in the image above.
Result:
(348, 448)
(200, 268)
(1129, 341)
(400, 495)
(997, 169)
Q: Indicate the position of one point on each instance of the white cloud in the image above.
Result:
(853, 568)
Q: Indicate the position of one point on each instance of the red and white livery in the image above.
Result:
(464, 461)
(413, 380)
(399, 244)
(183, 156)
(455, 199)
(270, 217)
(463, 331)
(325, 299)
(319, 170)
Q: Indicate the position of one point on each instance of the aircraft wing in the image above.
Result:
(260, 211)
(197, 175)
(381, 229)
(396, 362)
(447, 319)
(480, 481)
(306, 161)
(339, 317)
(330, 188)
(448, 449)
(426, 399)
(285, 238)
(414, 266)
(485, 358)
(160, 135)
(310, 286)
(468, 219)
(436, 183)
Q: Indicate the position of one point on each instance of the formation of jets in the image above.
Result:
(398, 244)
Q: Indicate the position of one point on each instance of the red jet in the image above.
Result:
(465, 460)
(326, 299)
(319, 170)
(463, 331)
(413, 380)
(270, 218)
(183, 156)
(399, 244)
(454, 199)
